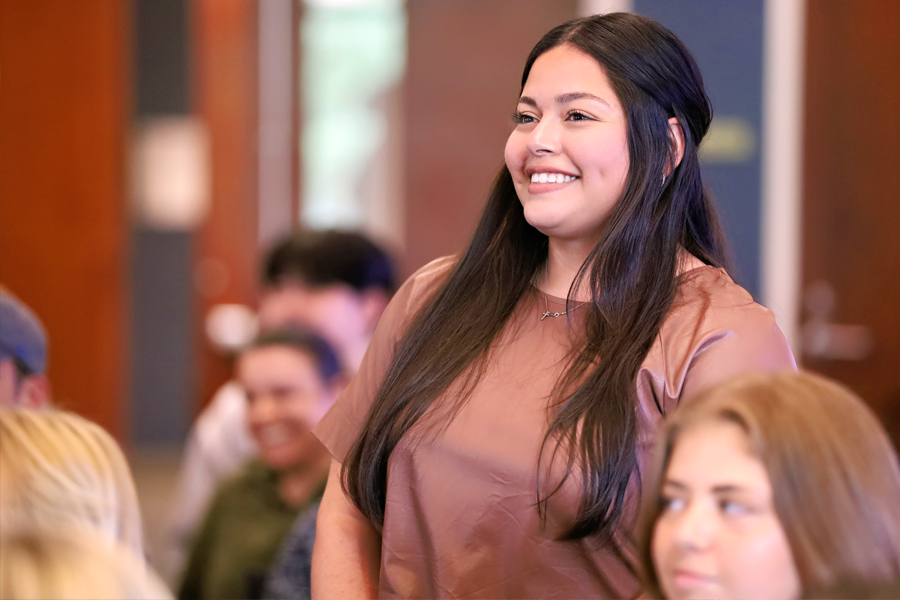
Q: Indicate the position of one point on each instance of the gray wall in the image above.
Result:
(162, 357)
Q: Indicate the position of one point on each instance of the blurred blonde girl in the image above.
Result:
(71, 564)
(61, 471)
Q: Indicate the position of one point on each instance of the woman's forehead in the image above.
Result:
(565, 74)
(712, 449)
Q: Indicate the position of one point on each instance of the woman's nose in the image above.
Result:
(695, 527)
(544, 138)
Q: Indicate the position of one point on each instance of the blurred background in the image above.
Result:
(151, 149)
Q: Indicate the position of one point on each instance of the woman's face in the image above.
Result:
(568, 154)
(718, 535)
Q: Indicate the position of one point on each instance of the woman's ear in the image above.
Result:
(676, 141)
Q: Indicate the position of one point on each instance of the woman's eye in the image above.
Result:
(578, 116)
(733, 508)
(522, 118)
(670, 504)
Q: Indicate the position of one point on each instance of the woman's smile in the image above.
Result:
(548, 181)
(686, 580)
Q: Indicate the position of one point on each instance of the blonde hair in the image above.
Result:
(69, 565)
(835, 475)
(60, 470)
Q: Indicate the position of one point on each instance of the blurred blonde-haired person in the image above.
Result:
(774, 487)
(61, 471)
(71, 565)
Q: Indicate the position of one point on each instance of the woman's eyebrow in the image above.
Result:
(566, 98)
(674, 483)
(729, 488)
(569, 97)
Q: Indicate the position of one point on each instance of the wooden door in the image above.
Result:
(64, 110)
(226, 252)
(851, 216)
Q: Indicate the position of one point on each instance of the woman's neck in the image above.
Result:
(297, 484)
(564, 259)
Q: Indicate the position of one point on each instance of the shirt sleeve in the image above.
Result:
(341, 425)
(752, 343)
(715, 332)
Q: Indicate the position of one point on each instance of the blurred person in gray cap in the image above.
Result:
(23, 355)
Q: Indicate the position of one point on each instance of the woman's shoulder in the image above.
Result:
(423, 283)
(713, 331)
(406, 303)
(711, 309)
(435, 271)
(710, 296)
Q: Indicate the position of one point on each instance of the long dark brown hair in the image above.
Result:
(631, 272)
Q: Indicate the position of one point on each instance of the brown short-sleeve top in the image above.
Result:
(460, 517)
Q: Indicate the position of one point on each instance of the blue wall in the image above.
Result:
(726, 38)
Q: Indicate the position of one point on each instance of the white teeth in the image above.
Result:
(550, 178)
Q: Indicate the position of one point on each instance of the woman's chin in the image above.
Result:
(544, 221)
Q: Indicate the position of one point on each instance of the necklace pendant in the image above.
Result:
(556, 314)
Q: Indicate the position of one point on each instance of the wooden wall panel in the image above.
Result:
(851, 211)
(64, 110)
(226, 85)
(464, 70)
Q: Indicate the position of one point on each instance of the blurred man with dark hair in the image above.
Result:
(23, 355)
(334, 283)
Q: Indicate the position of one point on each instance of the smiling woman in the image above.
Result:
(491, 444)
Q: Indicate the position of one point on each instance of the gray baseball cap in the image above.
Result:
(22, 336)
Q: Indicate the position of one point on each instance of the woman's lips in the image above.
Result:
(684, 579)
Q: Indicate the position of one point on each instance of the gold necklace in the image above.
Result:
(556, 314)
